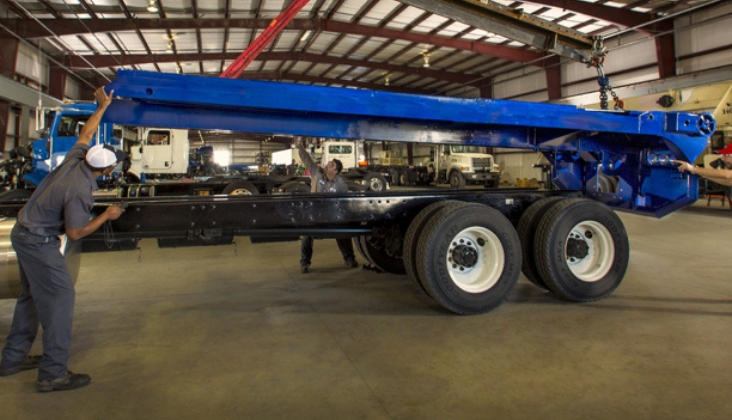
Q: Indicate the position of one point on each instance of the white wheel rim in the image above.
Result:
(486, 272)
(600, 251)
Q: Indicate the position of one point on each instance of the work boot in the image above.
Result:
(305, 268)
(30, 362)
(64, 383)
(352, 263)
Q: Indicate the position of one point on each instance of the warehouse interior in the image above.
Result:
(238, 331)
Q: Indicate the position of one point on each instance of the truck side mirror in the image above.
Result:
(42, 151)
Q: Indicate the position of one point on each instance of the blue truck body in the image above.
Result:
(635, 148)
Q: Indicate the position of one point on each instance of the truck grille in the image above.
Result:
(482, 164)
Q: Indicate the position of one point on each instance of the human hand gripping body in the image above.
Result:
(720, 176)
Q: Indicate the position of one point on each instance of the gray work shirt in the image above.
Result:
(318, 181)
(64, 198)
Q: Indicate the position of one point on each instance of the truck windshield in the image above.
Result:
(70, 125)
(467, 149)
(339, 149)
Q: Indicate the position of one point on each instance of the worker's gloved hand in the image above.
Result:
(114, 212)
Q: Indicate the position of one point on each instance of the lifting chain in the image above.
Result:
(599, 52)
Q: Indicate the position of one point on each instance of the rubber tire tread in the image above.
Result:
(414, 234)
(551, 244)
(461, 180)
(446, 223)
(386, 263)
(527, 226)
(358, 243)
(295, 187)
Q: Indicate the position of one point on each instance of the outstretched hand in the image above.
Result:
(102, 98)
(685, 166)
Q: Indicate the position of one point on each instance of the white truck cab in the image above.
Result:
(159, 151)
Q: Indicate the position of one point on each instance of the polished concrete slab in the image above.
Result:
(237, 332)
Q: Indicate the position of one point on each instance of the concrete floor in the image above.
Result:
(238, 333)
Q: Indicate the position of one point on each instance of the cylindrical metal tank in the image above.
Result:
(9, 276)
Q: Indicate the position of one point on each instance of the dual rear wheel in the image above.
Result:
(468, 256)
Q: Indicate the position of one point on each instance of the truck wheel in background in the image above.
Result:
(240, 188)
(355, 187)
(403, 177)
(469, 258)
(413, 235)
(526, 228)
(375, 181)
(581, 250)
(384, 251)
(457, 180)
(394, 175)
(15, 195)
(294, 187)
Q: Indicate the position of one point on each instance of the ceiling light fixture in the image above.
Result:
(152, 6)
(386, 79)
(426, 57)
(305, 36)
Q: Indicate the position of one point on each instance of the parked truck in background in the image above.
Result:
(453, 164)
(159, 161)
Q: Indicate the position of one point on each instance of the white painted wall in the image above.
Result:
(73, 89)
(517, 163)
(31, 64)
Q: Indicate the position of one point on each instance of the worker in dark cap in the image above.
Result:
(323, 180)
(720, 172)
(61, 205)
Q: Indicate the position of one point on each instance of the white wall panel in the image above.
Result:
(517, 82)
(32, 64)
(518, 164)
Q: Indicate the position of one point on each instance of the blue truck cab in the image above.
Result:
(64, 124)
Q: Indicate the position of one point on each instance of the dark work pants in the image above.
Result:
(344, 245)
(46, 297)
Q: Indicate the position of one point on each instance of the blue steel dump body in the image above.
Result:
(637, 149)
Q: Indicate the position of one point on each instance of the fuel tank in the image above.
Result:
(9, 275)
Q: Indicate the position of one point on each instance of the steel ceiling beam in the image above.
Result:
(513, 24)
(107, 61)
(30, 29)
(616, 15)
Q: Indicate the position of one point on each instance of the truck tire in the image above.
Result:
(469, 258)
(294, 187)
(358, 244)
(582, 250)
(15, 195)
(526, 228)
(355, 187)
(394, 175)
(403, 177)
(374, 181)
(375, 251)
(240, 188)
(457, 180)
(414, 233)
